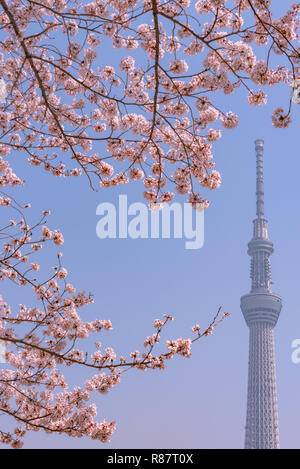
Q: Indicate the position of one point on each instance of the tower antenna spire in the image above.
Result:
(259, 148)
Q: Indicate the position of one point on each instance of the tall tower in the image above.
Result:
(261, 309)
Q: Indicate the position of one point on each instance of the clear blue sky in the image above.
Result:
(198, 402)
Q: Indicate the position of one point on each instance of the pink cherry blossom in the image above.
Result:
(257, 98)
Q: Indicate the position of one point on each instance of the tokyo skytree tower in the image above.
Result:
(261, 309)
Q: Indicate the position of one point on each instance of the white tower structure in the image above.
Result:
(261, 309)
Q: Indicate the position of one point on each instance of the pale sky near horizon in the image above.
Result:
(198, 402)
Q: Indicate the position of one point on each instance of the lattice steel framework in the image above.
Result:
(261, 309)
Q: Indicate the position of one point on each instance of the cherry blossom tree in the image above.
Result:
(153, 116)
(42, 340)
(149, 115)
